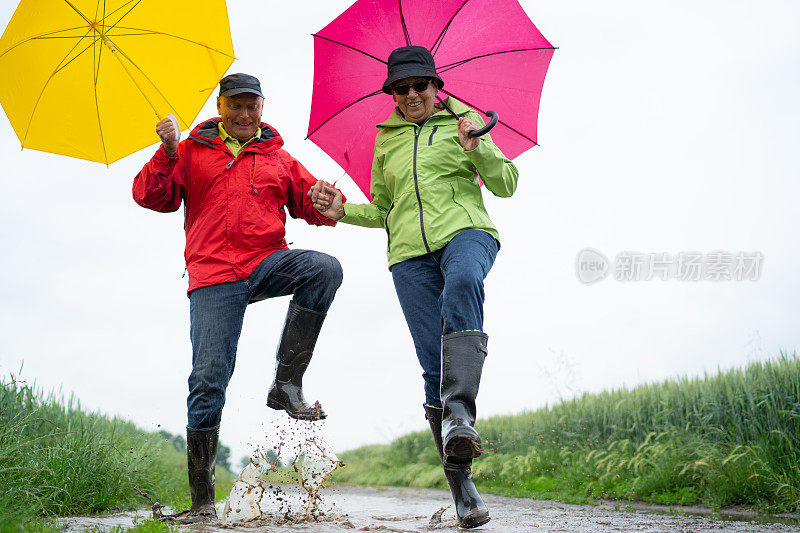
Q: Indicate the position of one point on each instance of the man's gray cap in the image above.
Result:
(234, 84)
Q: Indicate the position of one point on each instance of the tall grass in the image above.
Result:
(723, 439)
(56, 459)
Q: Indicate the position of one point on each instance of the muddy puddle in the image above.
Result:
(415, 510)
(260, 502)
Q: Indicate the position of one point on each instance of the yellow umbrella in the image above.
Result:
(90, 78)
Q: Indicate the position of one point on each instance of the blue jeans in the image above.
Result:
(217, 312)
(442, 292)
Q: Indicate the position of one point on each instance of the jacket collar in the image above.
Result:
(396, 119)
(207, 134)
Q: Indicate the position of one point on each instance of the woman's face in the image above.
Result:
(416, 106)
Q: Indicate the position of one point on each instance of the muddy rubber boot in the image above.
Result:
(470, 509)
(463, 354)
(300, 333)
(201, 452)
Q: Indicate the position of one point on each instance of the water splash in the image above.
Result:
(318, 463)
(259, 492)
(247, 493)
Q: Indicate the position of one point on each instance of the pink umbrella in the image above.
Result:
(488, 52)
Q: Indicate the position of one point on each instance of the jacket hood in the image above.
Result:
(208, 133)
(396, 119)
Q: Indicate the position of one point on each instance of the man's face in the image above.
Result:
(241, 114)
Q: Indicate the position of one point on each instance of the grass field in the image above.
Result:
(723, 439)
(58, 460)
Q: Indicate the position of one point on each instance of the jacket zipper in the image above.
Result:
(252, 172)
(386, 227)
(252, 175)
(417, 131)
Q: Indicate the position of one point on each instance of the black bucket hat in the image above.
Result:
(409, 61)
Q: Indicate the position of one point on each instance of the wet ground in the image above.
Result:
(420, 510)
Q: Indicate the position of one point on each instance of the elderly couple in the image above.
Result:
(235, 180)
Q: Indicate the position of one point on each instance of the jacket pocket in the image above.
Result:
(433, 131)
(266, 187)
(469, 203)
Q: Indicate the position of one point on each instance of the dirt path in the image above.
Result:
(414, 510)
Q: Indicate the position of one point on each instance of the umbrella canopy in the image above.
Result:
(90, 78)
(488, 52)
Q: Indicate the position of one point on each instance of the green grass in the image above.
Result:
(724, 439)
(58, 460)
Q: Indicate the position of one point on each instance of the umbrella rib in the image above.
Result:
(484, 112)
(153, 85)
(95, 60)
(122, 52)
(354, 102)
(141, 32)
(450, 66)
(58, 68)
(118, 9)
(43, 37)
(47, 36)
(350, 47)
(440, 38)
(128, 12)
(104, 14)
(96, 75)
(97, 66)
(79, 54)
(155, 32)
(403, 22)
(78, 11)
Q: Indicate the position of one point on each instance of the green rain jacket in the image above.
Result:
(424, 184)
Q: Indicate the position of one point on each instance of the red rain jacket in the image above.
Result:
(233, 206)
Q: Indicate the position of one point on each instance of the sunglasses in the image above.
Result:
(402, 90)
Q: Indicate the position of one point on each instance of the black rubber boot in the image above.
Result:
(463, 354)
(470, 509)
(300, 333)
(201, 451)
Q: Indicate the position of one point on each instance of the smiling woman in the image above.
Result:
(415, 98)
(442, 245)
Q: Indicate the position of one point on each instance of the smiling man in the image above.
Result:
(234, 180)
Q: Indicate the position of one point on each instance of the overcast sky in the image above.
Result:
(665, 127)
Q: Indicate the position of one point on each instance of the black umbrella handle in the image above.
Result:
(484, 130)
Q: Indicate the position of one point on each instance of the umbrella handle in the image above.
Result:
(176, 125)
(484, 130)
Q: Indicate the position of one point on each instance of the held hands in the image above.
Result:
(327, 200)
(166, 130)
(465, 126)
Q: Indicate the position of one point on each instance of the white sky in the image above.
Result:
(664, 127)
